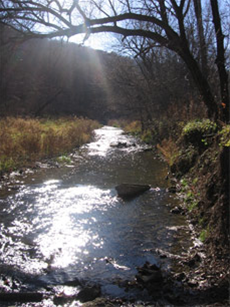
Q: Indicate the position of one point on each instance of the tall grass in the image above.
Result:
(169, 150)
(23, 141)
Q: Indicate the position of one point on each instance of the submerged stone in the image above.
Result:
(89, 294)
(127, 191)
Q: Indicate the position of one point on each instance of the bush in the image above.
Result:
(170, 150)
(148, 137)
(198, 132)
(225, 136)
(134, 127)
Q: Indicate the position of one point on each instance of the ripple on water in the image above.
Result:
(63, 229)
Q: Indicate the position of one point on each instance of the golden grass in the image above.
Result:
(133, 127)
(169, 150)
(26, 140)
(129, 126)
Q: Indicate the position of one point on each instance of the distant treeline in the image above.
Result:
(41, 77)
(50, 77)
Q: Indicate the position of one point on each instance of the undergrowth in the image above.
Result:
(23, 141)
(169, 149)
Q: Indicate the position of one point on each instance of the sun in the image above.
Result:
(98, 41)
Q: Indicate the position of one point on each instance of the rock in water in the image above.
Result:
(127, 191)
(89, 294)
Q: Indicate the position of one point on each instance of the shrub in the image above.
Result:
(169, 149)
(198, 132)
(147, 137)
(204, 234)
(134, 127)
(225, 136)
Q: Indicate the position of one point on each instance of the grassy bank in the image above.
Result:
(23, 141)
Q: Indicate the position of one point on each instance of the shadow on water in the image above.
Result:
(69, 224)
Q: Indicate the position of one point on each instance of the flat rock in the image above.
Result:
(127, 191)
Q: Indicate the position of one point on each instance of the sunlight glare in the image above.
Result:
(98, 41)
(103, 140)
(66, 230)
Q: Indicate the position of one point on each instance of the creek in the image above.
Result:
(67, 223)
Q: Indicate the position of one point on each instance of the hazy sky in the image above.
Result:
(100, 41)
(108, 41)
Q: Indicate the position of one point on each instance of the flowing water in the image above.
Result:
(69, 224)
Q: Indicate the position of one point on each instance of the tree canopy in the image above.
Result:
(161, 23)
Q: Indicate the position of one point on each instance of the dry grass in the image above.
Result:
(169, 150)
(186, 111)
(26, 140)
(133, 127)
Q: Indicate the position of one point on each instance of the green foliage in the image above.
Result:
(192, 205)
(64, 160)
(204, 234)
(147, 137)
(225, 136)
(7, 164)
(197, 132)
(195, 180)
(203, 126)
(190, 195)
(184, 183)
(190, 199)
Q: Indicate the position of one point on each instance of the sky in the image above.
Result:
(100, 41)
(108, 42)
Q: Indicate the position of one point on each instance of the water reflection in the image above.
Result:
(108, 138)
(103, 138)
(64, 224)
(76, 226)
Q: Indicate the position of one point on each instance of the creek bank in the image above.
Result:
(200, 178)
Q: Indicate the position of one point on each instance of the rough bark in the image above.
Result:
(220, 61)
(201, 82)
(203, 48)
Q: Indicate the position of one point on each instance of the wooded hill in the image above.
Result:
(53, 77)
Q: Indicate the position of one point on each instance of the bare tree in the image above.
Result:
(202, 43)
(161, 21)
(220, 59)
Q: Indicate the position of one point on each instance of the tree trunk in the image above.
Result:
(200, 81)
(220, 61)
(203, 48)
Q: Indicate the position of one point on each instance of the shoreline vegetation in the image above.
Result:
(197, 154)
(27, 140)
